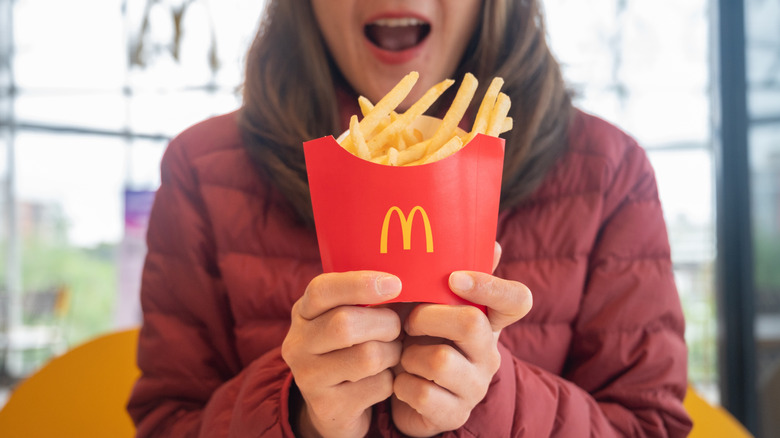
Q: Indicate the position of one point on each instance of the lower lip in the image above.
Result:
(392, 57)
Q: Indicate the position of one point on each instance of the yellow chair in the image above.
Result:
(81, 393)
(711, 421)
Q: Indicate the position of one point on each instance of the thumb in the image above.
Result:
(496, 256)
(507, 301)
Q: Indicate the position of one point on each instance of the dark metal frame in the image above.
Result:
(735, 281)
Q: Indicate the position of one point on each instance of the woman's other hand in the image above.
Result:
(451, 353)
(340, 353)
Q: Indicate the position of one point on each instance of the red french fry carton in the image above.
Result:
(419, 223)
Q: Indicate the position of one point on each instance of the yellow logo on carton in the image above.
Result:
(406, 228)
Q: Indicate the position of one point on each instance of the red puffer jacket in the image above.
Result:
(600, 354)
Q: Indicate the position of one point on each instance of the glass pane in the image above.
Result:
(637, 65)
(61, 171)
(763, 57)
(648, 71)
(685, 184)
(5, 199)
(143, 163)
(68, 227)
(208, 50)
(73, 45)
(168, 113)
(101, 85)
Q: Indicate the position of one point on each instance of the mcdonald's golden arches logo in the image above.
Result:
(406, 228)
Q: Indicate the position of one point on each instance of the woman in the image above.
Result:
(244, 335)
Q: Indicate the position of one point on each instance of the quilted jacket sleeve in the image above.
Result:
(626, 371)
(191, 376)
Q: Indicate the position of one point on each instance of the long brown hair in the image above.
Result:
(290, 94)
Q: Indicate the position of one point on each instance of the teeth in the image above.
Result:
(398, 22)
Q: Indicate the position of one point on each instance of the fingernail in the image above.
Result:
(461, 281)
(388, 285)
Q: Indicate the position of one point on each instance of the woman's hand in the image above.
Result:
(451, 353)
(340, 353)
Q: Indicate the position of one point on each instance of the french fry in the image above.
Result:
(392, 156)
(453, 116)
(386, 137)
(398, 141)
(357, 139)
(409, 136)
(365, 105)
(416, 110)
(413, 153)
(449, 148)
(486, 106)
(498, 114)
(383, 108)
(507, 125)
(382, 159)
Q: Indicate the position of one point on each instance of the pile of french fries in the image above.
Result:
(384, 136)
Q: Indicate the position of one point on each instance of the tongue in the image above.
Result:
(394, 38)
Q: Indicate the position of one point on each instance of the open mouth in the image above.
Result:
(397, 34)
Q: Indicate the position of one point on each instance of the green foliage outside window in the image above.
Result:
(87, 275)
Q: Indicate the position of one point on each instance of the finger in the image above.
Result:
(466, 326)
(437, 407)
(496, 256)
(446, 367)
(351, 398)
(371, 390)
(507, 301)
(352, 364)
(346, 326)
(331, 290)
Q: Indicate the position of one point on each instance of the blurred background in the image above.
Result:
(91, 91)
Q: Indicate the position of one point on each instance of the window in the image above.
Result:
(88, 105)
(92, 93)
(648, 71)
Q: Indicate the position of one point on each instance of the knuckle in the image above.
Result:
(306, 380)
(291, 349)
(384, 386)
(305, 384)
(472, 320)
(296, 307)
(325, 408)
(313, 286)
(487, 284)
(307, 306)
(494, 362)
(287, 350)
(441, 359)
(341, 326)
(460, 417)
(426, 395)
(319, 295)
(370, 358)
(376, 388)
